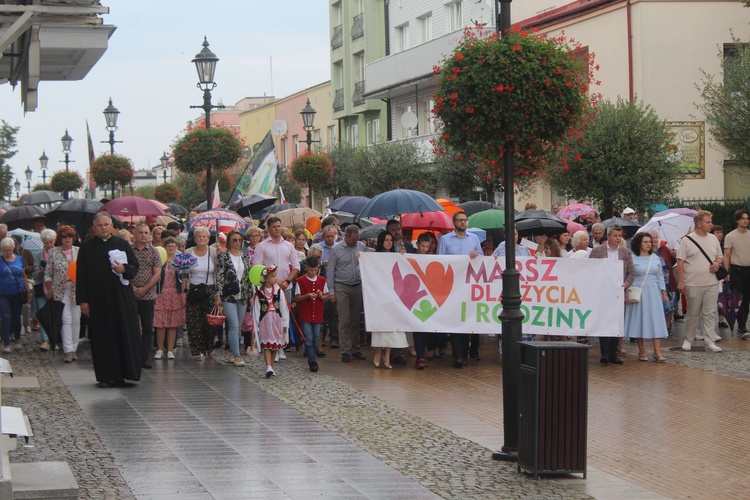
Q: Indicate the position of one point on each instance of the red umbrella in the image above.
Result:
(132, 205)
(435, 221)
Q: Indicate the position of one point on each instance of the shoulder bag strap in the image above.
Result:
(14, 275)
(701, 249)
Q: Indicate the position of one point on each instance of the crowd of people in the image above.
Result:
(121, 284)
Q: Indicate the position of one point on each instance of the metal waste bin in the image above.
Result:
(553, 408)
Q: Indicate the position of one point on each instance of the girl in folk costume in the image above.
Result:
(270, 317)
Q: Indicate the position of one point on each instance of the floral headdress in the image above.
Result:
(268, 270)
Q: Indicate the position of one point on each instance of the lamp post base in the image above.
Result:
(505, 456)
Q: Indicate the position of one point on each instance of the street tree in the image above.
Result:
(312, 170)
(390, 165)
(622, 159)
(726, 103)
(7, 151)
(465, 177)
(344, 158)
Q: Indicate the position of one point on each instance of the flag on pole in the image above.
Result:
(281, 196)
(92, 158)
(216, 201)
(259, 176)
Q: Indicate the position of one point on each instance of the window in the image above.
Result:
(454, 16)
(338, 74)
(425, 28)
(402, 37)
(352, 133)
(427, 118)
(295, 139)
(283, 151)
(373, 131)
(332, 138)
(316, 145)
(359, 66)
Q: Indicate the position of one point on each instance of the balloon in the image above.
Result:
(163, 254)
(254, 274)
(72, 271)
(313, 224)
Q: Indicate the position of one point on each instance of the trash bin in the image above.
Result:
(553, 408)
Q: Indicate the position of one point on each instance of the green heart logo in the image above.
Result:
(425, 310)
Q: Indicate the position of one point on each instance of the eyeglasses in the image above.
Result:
(462, 220)
(66, 236)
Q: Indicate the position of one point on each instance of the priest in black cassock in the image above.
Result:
(106, 297)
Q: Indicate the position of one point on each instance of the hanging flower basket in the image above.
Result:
(64, 181)
(312, 169)
(167, 193)
(107, 169)
(198, 149)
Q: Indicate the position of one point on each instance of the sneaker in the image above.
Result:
(359, 355)
(269, 372)
(178, 343)
(7, 349)
(249, 351)
(313, 366)
(713, 348)
(238, 361)
(346, 357)
(170, 355)
(744, 335)
(159, 354)
(276, 359)
(686, 346)
(280, 354)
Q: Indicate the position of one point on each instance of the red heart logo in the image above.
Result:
(407, 288)
(437, 279)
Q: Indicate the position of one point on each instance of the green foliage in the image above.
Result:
(167, 193)
(41, 187)
(66, 181)
(292, 190)
(191, 193)
(144, 192)
(344, 159)
(7, 143)
(226, 183)
(464, 177)
(199, 148)
(726, 103)
(108, 169)
(621, 160)
(388, 166)
(312, 169)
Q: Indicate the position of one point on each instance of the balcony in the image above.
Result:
(358, 95)
(337, 40)
(338, 100)
(358, 26)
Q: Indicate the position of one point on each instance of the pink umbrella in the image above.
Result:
(574, 210)
(132, 205)
(435, 221)
(574, 227)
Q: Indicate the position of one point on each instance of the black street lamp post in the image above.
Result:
(43, 162)
(164, 160)
(308, 118)
(511, 316)
(205, 64)
(17, 185)
(28, 173)
(111, 114)
(66, 142)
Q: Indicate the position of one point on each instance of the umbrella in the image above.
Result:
(295, 215)
(76, 212)
(346, 218)
(371, 232)
(671, 227)
(488, 219)
(133, 205)
(184, 261)
(211, 219)
(729, 303)
(659, 207)
(574, 210)
(202, 206)
(281, 207)
(41, 197)
(629, 227)
(574, 227)
(248, 205)
(481, 233)
(351, 204)
(31, 241)
(681, 211)
(449, 206)
(431, 221)
(177, 209)
(16, 217)
(538, 227)
(400, 201)
(472, 207)
(538, 214)
(50, 317)
(5, 206)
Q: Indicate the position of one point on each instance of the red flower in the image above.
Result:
(454, 95)
(459, 56)
(516, 48)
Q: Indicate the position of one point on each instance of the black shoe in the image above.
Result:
(313, 366)
(321, 354)
(678, 317)
(615, 360)
(604, 361)
(218, 344)
(723, 324)
(334, 344)
(474, 357)
(460, 363)
(345, 357)
(146, 365)
(359, 355)
(103, 385)
(399, 360)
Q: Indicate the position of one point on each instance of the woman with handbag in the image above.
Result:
(169, 309)
(13, 293)
(201, 295)
(644, 313)
(48, 237)
(58, 286)
(234, 290)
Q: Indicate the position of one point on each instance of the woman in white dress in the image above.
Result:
(386, 340)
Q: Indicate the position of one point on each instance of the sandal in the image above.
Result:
(643, 357)
(200, 357)
(659, 359)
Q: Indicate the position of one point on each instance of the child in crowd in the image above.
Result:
(424, 342)
(270, 317)
(310, 291)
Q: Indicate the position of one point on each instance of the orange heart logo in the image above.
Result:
(437, 279)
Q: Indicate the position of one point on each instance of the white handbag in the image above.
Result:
(634, 292)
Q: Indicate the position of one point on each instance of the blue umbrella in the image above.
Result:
(481, 233)
(350, 204)
(400, 201)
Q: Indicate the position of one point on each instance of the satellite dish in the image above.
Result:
(481, 13)
(409, 119)
(278, 127)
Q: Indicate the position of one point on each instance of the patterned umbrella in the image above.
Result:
(211, 219)
(184, 261)
(574, 210)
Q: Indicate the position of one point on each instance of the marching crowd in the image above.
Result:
(266, 292)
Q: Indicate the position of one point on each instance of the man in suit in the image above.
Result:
(613, 249)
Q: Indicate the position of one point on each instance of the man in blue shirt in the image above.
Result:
(461, 242)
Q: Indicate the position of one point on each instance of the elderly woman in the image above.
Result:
(48, 237)
(13, 293)
(58, 286)
(580, 242)
(169, 309)
(645, 319)
(253, 237)
(234, 290)
(201, 290)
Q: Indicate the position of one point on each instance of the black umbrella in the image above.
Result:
(177, 209)
(18, 216)
(6, 206)
(350, 204)
(50, 317)
(629, 227)
(77, 212)
(202, 206)
(538, 214)
(538, 227)
(346, 218)
(41, 198)
(248, 205)
(371, 232)
(476, 206)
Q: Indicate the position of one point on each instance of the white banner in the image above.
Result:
(455, 294)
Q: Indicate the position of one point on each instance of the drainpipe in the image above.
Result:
(630, 50)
